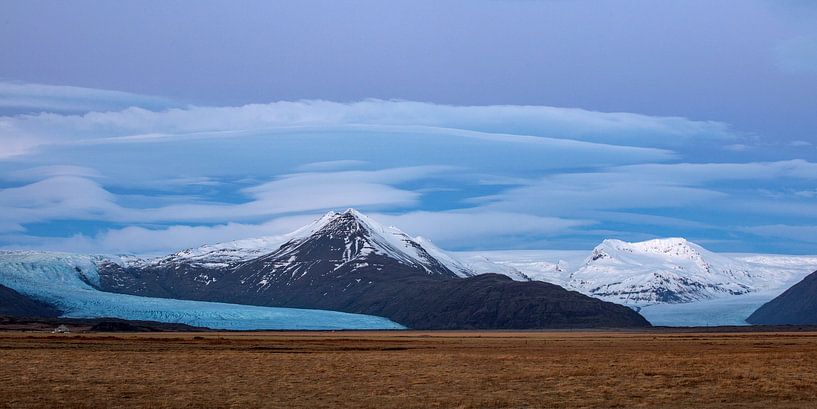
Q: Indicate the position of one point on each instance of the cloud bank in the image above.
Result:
(128, 176)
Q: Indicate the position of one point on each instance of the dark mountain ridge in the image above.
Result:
(14, 304)
(796, 306)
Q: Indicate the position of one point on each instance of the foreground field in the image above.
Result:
(409, 369)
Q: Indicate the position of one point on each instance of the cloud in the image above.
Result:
(477, 226)
(136, 121)
(683, 197)
(56, 198)
(28, 97)
(78, 198)
(787, 232)
(331, 165)
(464, 176)
(158, 241)
(447, 228)
(691, 173)
(44, 172)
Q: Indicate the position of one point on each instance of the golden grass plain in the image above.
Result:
(409, 370)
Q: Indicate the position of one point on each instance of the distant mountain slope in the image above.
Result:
(348, 262)
(489, 301)
(15, 304)
(797, 305)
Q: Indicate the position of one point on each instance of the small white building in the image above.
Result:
(62, 329)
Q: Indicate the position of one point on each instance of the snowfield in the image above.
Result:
(67, 281)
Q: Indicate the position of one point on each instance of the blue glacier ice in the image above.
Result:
(719, 311)
(67, 282)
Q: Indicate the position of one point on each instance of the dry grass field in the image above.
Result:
(409, 370)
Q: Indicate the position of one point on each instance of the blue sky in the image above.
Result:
(148, 127)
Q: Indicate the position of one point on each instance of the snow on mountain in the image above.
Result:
(661, 271)
(454, 264)
(392, 242)
(378, 239)
(551, 266)
(481, 264)
(231, 252)
(68, 282)
(655, 271)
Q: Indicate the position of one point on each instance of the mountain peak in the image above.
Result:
(361, 235)
(677, 246)
(658, 270)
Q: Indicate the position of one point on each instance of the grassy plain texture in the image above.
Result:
(409, 370)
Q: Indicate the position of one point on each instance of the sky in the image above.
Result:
(147, 127)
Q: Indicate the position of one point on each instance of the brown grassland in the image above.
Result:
(409, 370)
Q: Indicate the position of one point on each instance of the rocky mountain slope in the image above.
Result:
(15, 304)
(797, 305)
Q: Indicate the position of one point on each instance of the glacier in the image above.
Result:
(67, 281)
(732, 310)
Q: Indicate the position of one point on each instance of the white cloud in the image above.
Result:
(691, 173)
(60, 98)
(44, 172)
(331, 165)
(446, 228)
(23, 133)
(158, 241)
(72, 197)
(477, 226)
(787, 232)
(511, 174)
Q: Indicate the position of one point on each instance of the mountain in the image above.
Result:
(671, 270)
(797, 305)
(669, 281)
(15, 304)
(659, 271)
(348, 262)
(68, 285)
(337, 251)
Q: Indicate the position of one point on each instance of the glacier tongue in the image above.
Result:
(67, 282)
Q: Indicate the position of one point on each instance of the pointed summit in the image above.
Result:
(344, 244)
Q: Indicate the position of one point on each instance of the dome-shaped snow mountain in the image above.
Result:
(671, 270)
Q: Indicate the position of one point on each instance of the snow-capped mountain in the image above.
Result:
(348, 262)
(361, 235)
(341, 249)
(659, 271)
